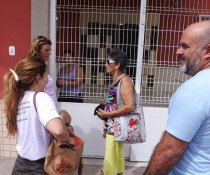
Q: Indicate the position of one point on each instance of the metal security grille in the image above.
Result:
(91, 28)
(160, 73)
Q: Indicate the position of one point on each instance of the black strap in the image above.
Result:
(119, 79)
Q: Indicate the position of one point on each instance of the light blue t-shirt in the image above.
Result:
(189, 120)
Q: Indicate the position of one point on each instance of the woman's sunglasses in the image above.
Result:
(109, 61)
(42, 41)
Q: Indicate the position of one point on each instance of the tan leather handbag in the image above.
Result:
(63, 158)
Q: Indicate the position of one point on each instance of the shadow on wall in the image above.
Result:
(94, 143)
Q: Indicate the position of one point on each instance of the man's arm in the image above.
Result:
(166, 154)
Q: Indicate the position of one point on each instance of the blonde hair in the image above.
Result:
(26, 70)
(36, 45)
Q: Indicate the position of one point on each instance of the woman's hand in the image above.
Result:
(60, 82)
(71, 130)
(102, 114)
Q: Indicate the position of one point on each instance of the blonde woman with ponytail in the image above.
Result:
(31, 114)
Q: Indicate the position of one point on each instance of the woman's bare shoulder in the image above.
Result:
(126, 79)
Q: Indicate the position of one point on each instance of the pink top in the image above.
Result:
(50, 89)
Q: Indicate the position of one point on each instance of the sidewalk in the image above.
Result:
(91, 166)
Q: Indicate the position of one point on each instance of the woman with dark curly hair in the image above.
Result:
(114, 154)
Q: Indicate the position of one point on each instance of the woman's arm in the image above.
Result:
(127, 95)
(57, 128)
(59, 81)
(78, 80)
(49, 117)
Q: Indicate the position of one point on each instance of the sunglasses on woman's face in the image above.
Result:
(109, 61)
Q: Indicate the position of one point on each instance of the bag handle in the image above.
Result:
(119, 79)
(66, 145)
(34, 100)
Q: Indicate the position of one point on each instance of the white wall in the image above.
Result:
(90, 128)
(155, 121)
(87, 126)
(40, 18)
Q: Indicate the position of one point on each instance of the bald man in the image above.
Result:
(184, 148)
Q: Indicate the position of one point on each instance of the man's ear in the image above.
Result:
(207, 52)
(208, 49)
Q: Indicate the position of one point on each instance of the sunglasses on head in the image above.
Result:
(109, 61)
(43, 40)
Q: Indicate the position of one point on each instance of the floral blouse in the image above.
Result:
(110, 105)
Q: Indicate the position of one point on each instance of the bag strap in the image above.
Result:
(119, 78)
(119, 99)
(34, 100)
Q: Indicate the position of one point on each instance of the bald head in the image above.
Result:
(200, 31)
(200, 24)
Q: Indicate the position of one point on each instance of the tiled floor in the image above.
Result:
(91, 166)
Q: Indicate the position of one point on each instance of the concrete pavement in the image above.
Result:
(91, 166)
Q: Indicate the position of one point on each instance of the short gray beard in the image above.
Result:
(183, 68)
